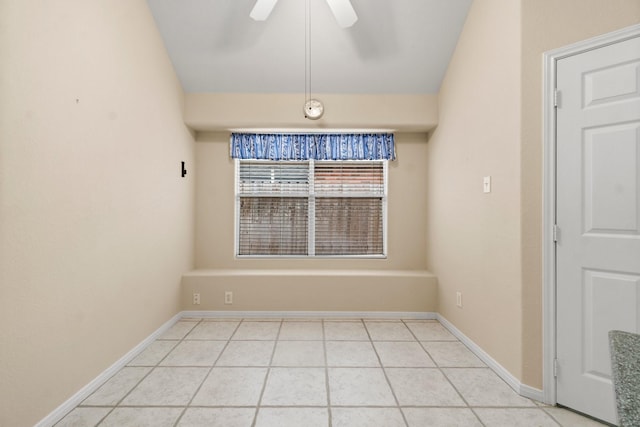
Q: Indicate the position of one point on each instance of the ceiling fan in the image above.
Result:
(342, 10)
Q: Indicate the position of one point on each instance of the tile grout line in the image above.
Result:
(551, 415)
(326, 374)
(392, 406)
(472, 408)
(384, 372)
(153, 368)
(205, 377)
(157, 365)
(208, 373)
(266, 377)
(423, 349)
(101, 419)
(439, 368)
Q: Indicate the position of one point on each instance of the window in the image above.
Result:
(311, 208)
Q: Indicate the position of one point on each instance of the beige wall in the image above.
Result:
(474, 238)
(96, 225)
(215, 211)
(407, 202)
(323, 290)
(546, 25)
(223, 111)
(490, 246)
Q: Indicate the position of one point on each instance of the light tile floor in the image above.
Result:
(307, 373)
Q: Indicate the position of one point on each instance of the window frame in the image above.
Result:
(311, 217)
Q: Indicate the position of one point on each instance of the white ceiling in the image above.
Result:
(396, 46)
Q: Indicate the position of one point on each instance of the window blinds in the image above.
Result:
(348, 178)
(348, 220)
(273, 178)
(311, 208)
(348, 226)
(273, 226)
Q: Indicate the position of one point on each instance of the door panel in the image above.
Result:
(598, 215)
(611, 179)
(602, 291)
(614, 83)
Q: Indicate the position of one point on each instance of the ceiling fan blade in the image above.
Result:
(262, 9)
(343, 11)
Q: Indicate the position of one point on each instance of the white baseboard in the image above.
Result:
(531, 393)
(522, 389)
(62, 410)
(87, 390)
(417, 315)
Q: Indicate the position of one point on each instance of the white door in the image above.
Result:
(598, 218)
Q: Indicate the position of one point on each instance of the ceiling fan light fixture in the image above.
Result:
(343, 12)
(262, 9)
(313, 109)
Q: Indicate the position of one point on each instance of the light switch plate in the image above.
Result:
(487, 184)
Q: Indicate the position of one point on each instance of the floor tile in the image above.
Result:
(111, 392)
(515, 417)
(366, 417)
(153, 354)
(209, 330)
(295, 387)
(445, 417)
(299, 353)
(430, 331)
(285, 372)
(403, 354)
(85, 417)
(482, 387)
(570, 419)
(301, 331)
(389, 331)
(167, 386)
(178, 330)
(351, 353)
(246, 353)
(217, 417)
(194, 353)
(292, 417)
(359, 387)
(142, 417)
(452, 354)
(231, 387)
(257, 331)
(345, 331)
(422, 387)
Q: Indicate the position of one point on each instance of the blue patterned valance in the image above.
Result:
(320, 146)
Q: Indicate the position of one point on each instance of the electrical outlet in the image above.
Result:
(459, 299)
(196, 298)
(228, 297)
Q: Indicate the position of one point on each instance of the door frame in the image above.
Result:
(549, 325)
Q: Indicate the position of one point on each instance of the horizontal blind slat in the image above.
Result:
(273, 226)
(349, 177)
(349, 226)
(260, 177)
(274, 199)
